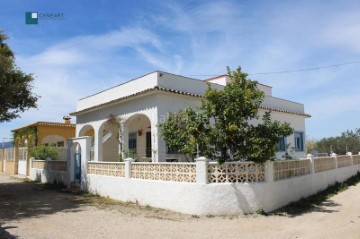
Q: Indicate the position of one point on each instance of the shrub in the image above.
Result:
(44, 152)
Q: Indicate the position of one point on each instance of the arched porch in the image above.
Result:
(138, 139)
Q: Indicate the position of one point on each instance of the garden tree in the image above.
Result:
(187, 131)
(15, 86)
(310, 145)
(348, 141)
(226, 126)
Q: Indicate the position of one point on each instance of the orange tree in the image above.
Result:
(221, 127)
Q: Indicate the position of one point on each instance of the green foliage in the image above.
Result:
(130, 154)
(348, 141)
(15, 85)
(43, 152)
(221, 127)
(27, 131)
(186, 131)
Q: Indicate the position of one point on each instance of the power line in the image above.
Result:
(297, 70)
(306, 69)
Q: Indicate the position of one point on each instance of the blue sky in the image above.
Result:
(100, 44)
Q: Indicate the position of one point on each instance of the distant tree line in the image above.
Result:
(348, 141)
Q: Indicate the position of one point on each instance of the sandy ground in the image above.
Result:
(29, 210)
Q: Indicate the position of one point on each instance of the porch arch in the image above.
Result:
(88, 130)
(138, 138)
(108, 142)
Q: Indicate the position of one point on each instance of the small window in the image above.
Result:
(299, 141)
(60, 144)
(172, 150)
(282, 144)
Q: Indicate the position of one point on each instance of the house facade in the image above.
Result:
(144, 102)
(45, 133)
(15, 160)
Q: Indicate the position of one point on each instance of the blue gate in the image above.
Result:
(77, 167)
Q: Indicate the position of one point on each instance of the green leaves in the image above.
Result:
(15, 86)
(222, 127)
(43, 152)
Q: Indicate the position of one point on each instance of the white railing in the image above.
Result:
(356, 159)
(343, 161)
(291, 168)
(324, 164)
(178, 172)
(106, 168)
(236, 172)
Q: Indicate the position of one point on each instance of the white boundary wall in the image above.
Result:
(44, 175)
(216, 199)
(202, 197)
(200, 188)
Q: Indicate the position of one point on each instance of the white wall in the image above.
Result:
(45, 176)
(216, 199)
(128, 88)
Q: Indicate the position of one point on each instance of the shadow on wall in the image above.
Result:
(242, 200)
(25, 200)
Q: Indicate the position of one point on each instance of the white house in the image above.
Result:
(144, 102)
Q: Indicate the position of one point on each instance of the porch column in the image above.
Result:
(158, 145)
(98, 145)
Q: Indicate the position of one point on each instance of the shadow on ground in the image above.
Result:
(319, 202)
(5, 234)
(20, 200)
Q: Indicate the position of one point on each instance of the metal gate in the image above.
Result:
(77, 167)
(22, 160)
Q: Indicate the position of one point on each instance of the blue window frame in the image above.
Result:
(299, 141)
(282, 144)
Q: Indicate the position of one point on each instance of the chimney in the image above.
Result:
(67, 119)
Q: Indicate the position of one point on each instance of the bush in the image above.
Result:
(44, 152)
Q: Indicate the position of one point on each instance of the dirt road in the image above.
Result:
(29, 210)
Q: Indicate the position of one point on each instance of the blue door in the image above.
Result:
(78, 167)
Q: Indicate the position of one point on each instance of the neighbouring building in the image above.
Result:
(45, 133)
(144, 102)
(15, 160)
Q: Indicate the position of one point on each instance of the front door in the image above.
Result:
(148, 144)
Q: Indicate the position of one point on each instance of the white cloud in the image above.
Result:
(342, 32)
(204, 38)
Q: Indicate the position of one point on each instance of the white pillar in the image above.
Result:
(128, 162)
(98, 145)
(85, 144)
(334, 155)
(201, 170)
(312, 163)
(351, 157)
(269, 171)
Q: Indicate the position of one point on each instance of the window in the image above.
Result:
(299, 141)
(60, 144)
(172, 150)
(282, 144)
(132, 141)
